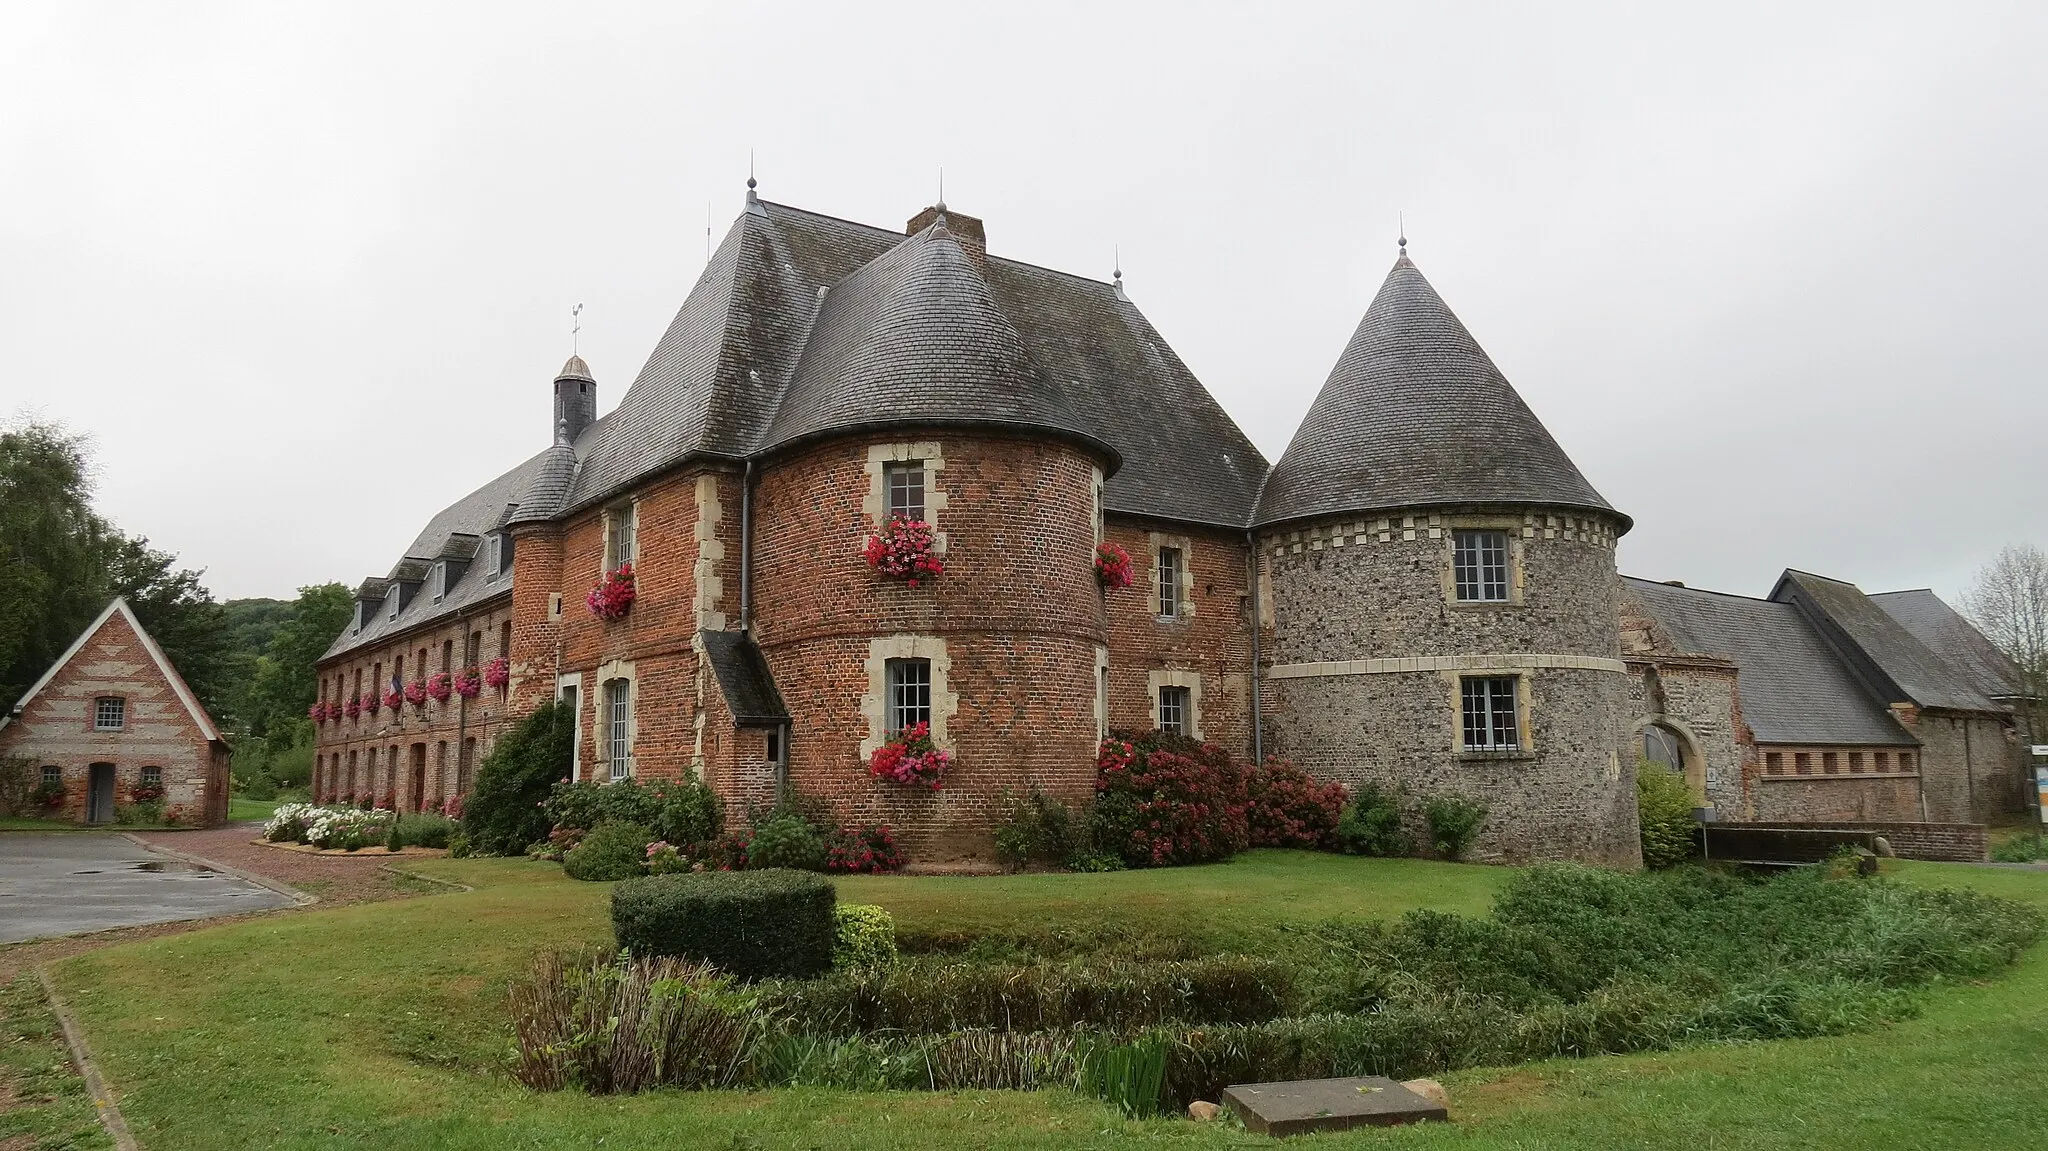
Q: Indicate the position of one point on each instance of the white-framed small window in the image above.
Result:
(1488, 712)
(904, 485)
(52, 775)
(440, 580)
(1172, 571)
(618, 728)
(1479, 565)
(355, 626)
(109, 713)
(501, 555)
(910, 694)
(152, 776)
(392, 598)
(621, 535)
(1173, 709)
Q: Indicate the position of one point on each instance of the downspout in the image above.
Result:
(1251, 540)
(747, 550)
(1969, 771)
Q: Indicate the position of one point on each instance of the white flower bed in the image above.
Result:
(327, 826)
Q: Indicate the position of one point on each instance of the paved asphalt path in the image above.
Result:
(63, 883)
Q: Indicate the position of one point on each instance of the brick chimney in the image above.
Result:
(966, 231)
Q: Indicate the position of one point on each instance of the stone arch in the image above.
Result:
(1669, 741)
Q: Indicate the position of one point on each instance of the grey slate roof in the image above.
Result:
(1793, 688)
(755, 336)
(1955, 639)
(744, 679)
(1414, 414)
(1876, 647)
(454, 533)
(915, 337)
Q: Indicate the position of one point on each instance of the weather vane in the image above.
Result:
(576, 329)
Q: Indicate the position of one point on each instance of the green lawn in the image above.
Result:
(246, 810)
(42, 1099)
(384, 1024)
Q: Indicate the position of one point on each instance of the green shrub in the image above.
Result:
(787, 841)
(1664, 807)
(426, 829)
(503, 812)
(1371, 824)
(775, 922)
(2021, 849)
(394, 839)
(615, 1025)
(1128, 1075)
(1034, 828)
(866, 936)
(458, 846)
(1453, 823)
(690, 813)
(584, 805)
(612, 851)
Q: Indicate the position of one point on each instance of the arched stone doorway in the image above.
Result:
(1669, 748)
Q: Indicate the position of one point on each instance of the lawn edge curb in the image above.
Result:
(103, 1102)
(301, 898)
(396, 870)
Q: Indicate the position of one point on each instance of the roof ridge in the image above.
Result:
(1703, 590)
(902, 235)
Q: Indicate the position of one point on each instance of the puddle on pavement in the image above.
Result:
(169, 865)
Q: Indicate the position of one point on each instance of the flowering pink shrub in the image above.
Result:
(468, 684)
(439, 687)
(1113, 566)
(416, 694)
(911, 759)
(613, 596)
(393, 698)
(354, 708)
(1286, 807)
(498, 673)
(1162, 800)
(903, 550)
(871, 849)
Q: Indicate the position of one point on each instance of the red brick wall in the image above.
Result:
(1214, 640)
(56, 729)
(437, 724)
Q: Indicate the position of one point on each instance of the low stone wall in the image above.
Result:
(1939, 842)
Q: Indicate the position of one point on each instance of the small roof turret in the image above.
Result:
(575, 369)
(1415, 414)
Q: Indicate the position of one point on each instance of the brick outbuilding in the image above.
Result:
(114, 723)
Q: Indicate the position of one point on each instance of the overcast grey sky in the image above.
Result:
(1771, 274)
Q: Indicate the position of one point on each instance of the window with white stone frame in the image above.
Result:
(1173, 710)
(620, 529)
(903, 484)
(909, 701)
(109, 713)
(1172, 573)
(618, 728)
(1488, 708)
(1479, 565)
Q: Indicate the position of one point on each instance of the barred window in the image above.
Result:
(906, 489)
(910, 694)
(153, 776)
(109, 713)
(1173, 710)
(1171, 565)
(1489, 713)
(618, 714)
(1479, 560)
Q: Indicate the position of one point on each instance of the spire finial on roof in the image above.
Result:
(941, 205)
(576, 330)
(751, 182)
(1401, 219)
(562, 430)
(1116, 272)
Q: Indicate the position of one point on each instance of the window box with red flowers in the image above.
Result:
(317, 713)
(911, 759)
(498, 673)
(469, 683)
(146, 793)
(1112, 566)
(416, 694)
(393, 698)
(905, 550)
(372, 703)
(354, 707)
(440, 686)
(613, 596)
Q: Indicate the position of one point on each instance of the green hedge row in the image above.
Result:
(750, 923)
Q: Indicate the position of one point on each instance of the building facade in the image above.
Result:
(1421, 594)
(113, 723)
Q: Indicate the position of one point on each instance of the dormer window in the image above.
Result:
(355, 626)
(440, 578)
(501, 555)
(394, 599)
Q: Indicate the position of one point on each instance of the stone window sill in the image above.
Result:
(1518, 754)
(1486, 604)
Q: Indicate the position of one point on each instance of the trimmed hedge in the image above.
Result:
(772, 922)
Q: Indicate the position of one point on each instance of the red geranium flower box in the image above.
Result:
(904, 550)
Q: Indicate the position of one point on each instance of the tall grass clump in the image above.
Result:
(618, 1025)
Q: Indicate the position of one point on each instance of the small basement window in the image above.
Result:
(53, 776)
(109, 713)
(1479, 563)
(1488, 707)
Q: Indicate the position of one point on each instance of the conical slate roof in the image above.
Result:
(915, 337)
(1415, 414)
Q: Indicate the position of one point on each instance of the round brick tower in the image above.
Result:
(1443, 594)
(915, 398)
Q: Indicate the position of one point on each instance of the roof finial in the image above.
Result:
(1401, 218)
(1116, 272)
(751, 197)
(576, 330)
(941, 205)
(562, 430)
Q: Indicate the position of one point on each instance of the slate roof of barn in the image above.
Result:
(743, 678)
(1793, 687)
(1416, 414)
(1891, 662)
(1953, 638)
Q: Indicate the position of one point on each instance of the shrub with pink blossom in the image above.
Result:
(1286, 807)
(871, 849)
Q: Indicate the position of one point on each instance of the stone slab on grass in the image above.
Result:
(1306, 1105)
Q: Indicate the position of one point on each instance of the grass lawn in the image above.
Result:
(43, 1102)
(245, 810)
(384, 1024)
